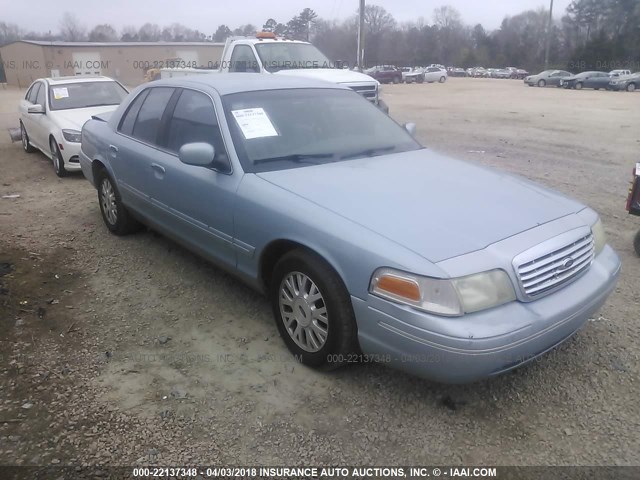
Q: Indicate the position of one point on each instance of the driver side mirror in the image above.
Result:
(198, 154)
(37, 108)
(411, 128)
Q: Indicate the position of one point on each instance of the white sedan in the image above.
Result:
(54, 109)
(435, 74)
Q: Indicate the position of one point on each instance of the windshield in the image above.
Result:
(288, 55)
(66, 96)
(282, 129)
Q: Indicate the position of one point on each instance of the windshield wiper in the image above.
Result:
(100, 105)
(370, 152)
(295, 157)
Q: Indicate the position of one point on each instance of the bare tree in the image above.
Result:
(9, 32)
(149, 32)
(377, 19)
(71, 29)
(103, 33)
(447, 17)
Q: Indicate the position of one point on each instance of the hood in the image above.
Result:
(433, 205)
(333, 75)
(75, 118)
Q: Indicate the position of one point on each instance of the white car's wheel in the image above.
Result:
(26, 146)
(443, 79)
(56, 157)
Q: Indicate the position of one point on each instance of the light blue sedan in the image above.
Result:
(369, 246)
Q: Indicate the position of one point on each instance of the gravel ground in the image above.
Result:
(117, 351)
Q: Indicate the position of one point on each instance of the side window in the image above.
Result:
(33, 93)
(147, 123)
(243, 60)
(41, 97)
(194, 120)
(129, 118)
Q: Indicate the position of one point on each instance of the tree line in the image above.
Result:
(591, 34)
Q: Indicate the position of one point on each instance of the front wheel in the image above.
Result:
(56, 157)
(396, 80)
(443, 79)
(313, 310)
(631, 87)
(115, 215)
(542, 83)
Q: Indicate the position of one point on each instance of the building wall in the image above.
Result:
(23, 63)
(126, 63)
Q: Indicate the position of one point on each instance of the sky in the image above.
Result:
(206, 15)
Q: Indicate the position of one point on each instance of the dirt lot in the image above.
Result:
(119, 351)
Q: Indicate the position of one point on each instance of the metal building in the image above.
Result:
(26, 60)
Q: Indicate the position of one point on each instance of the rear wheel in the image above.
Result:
(542, 83)
(115, 215)
(579, 86)
(631, 87)
(313, 310)
(26, 146)
(420, 79)
(56, 157)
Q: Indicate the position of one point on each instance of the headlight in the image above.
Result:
(599, 236)
(73, 136)
(452, 297)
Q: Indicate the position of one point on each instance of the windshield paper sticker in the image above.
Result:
(59, 93)
(254, 123)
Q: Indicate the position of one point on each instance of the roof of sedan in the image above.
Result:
(77, 79)
(228, 83)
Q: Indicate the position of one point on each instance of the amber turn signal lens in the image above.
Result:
(400, 286)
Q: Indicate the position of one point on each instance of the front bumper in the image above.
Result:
(476, 346)
(71, 155)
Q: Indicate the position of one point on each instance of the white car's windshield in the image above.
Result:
(285, 55)
(66, 96)
(281, 129)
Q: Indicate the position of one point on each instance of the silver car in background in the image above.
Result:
(369, 246)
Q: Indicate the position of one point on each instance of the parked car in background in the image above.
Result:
(457, 72)
(501, 73)
(548, 78)
(435, 74)
(619, 73)
(595, 80)
(517, 73)
(412, 74)
(54, 109)
(385, 74)
(478, 72)
(223, 164)
(630, 83)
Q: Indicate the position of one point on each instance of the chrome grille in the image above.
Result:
(369, 92)
(556, 267)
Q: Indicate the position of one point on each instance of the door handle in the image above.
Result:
(113, 148)
(158, 168)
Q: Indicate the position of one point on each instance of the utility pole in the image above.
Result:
(548, 40)
(360, 58)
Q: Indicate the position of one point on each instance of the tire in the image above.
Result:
(631, 87)
(115, 215)
(542, 83)
(443, 79)
(636, 243)
(596, 88)
(26, 146)
(396, 80)
(578, 86)
(56, 158)
(327, 338)
(420, 79)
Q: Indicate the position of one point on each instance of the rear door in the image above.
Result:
(196, 202)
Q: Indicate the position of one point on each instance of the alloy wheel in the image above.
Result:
(304, 311)
(108, 202)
